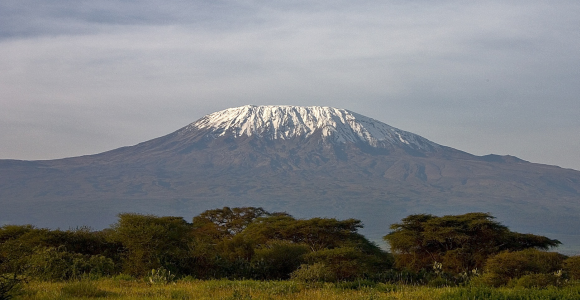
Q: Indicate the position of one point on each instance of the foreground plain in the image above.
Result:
(272, 290)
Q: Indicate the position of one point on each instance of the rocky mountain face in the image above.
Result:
(307, 161)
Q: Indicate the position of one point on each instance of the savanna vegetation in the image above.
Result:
(249, 253)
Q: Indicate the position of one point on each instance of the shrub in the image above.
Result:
(58, 264)
(161, 276)
(345, 263)
(535, 281)
(505, 266)
(438, 282)
(313, 273)
(277, 259)
(572, 267)
(350, 263)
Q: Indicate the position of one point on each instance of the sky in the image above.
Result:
(82, 77)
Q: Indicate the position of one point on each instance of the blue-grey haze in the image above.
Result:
(81, 77)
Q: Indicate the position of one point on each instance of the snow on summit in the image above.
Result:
(286, 122)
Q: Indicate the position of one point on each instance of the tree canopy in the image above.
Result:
(151, 242)
(317, 233)
(249, 242)
(459, 242)
(226, 222)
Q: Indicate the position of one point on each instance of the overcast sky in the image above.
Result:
(82, 77)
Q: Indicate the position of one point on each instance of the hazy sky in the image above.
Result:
(82, 77)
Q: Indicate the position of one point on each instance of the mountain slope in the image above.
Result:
(309, 161)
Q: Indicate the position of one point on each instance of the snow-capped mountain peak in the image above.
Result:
(287, 122)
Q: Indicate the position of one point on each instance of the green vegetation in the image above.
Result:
(572, 267)
(9, 284)
(523, 268)
(238, 243)
(276, 256)
(460, 243)
(279, 290)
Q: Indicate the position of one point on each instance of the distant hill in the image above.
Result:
(307, 161)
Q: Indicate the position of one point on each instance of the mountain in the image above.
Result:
(308, 161)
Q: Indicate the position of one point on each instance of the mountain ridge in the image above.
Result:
(201, 167)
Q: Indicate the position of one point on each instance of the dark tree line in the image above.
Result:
(252, 243)
(232, 243)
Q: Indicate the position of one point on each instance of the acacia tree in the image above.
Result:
(152, 242)
(216, 248)
(226, 222)
(459, 242)
(317, 233)
(334, 244)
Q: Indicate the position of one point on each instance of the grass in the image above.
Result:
(552, 293)
(274, 290)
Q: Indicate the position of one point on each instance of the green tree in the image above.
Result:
(20, 243)
(317, 233)
(277, 259)
(215, 249)
(334, 245)
(59, 264)
(226, 222)
(151, 242)
(459, 242)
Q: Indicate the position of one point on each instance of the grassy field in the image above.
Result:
(272, 290)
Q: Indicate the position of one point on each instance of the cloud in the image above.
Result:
(120, 72)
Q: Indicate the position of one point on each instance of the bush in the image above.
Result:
(277, 259)
(505, 266)
(438, 282)
(488, 279)
(572, 267)
(161, 276)
(386, 287)
(313, 273)
(350, 263)
(535, 281)
(345, 263)
(58, 264)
